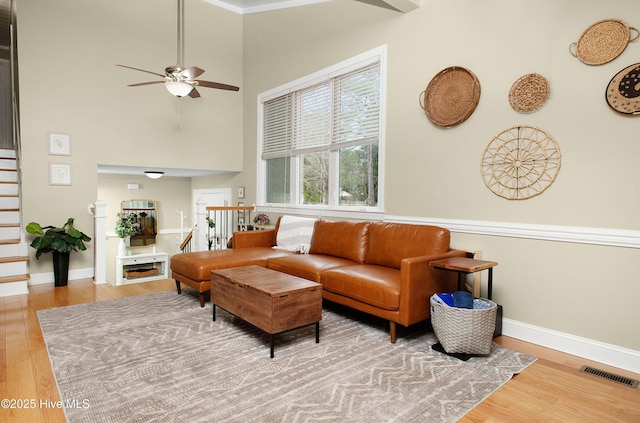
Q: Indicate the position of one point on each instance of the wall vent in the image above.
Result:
(632, 383)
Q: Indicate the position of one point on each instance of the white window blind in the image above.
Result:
(277, 134)
(357, 106)
(342, 109)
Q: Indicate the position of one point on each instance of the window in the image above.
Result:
(320, 138)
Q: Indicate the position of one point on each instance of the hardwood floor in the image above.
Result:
(550, 390)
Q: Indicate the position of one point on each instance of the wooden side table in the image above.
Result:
(464, 266)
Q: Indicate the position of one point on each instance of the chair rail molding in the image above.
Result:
(583, 235)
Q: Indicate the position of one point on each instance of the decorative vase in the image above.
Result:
(60, 268)
(122, 248)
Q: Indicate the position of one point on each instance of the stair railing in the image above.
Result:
(223, 221)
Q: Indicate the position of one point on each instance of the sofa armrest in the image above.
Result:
(249, 239)
(419, 281)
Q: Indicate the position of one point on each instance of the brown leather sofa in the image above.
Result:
(376, 267)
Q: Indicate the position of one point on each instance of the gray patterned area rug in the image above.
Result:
(160, 358)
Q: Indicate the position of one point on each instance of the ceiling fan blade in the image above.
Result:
(142, 70)
(194, 93)
(145, 83)
(217, 85)
(192, 72)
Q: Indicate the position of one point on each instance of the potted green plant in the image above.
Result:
(125, 227)
(60, 242)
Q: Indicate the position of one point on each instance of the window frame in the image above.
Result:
(336, 210)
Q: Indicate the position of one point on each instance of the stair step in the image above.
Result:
(9, 232)
(13, 259)
(9, 241)
(13, 249)
(9, 188)
(16, 267)
(8, 164)
(15, 278)
(9, 202)
(8, 175)
(10, 216)
(7, 153)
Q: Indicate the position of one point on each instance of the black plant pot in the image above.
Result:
(60, 268)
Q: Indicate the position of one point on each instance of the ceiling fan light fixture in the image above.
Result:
(154, 174)
(178, 89)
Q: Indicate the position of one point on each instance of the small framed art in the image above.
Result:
(59, 174)
(59, 144)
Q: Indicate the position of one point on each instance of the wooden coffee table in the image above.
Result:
(272, 301)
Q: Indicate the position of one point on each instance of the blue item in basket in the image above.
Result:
(444, 299)
(462, 299)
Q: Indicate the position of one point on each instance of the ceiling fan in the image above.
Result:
(178, 80)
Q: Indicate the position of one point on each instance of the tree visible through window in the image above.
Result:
(320, 142)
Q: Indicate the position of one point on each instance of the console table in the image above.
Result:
(141, 268)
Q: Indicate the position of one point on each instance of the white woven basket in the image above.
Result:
(464, 330)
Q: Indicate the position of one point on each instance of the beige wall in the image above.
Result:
(69, 83)
(434, 173)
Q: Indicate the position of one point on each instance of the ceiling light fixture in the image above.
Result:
(178, 89)
(154, 174)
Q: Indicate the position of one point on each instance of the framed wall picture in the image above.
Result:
(240, 192)
(241, 214)
(59, 144)
(59, 174)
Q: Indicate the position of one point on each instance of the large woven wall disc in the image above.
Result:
(603, 41)
(451, 96)
(520, 163)
(528, 93)
(623, 92)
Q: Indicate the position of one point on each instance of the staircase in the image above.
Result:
(13, 250)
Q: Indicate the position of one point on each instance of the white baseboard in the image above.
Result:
(612, 355)
(13, 288)
(42, 278)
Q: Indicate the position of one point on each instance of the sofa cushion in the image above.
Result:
(340, 239)
(307, 266)
(198, 265)
(389, 243)
(378, 286)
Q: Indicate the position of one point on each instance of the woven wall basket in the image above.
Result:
(623, 92)
(528, 93)
(603, 41)
(451, 96)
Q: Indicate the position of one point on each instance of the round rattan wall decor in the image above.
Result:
(528, 93)
(603, 41)
(623, 92)
(520, 163)
(451, 96)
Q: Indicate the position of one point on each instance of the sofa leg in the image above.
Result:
(392, 331)
(178, 287)
(201, 299)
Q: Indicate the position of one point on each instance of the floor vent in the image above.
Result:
(632, 383)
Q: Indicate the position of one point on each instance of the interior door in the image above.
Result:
(216, 197)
